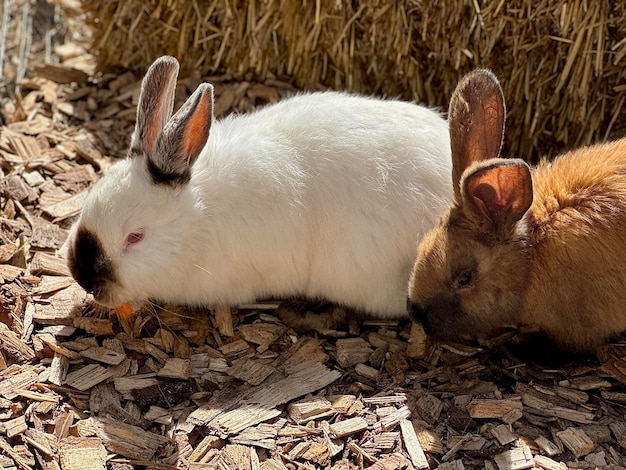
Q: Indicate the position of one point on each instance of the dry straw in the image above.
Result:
(562, 63)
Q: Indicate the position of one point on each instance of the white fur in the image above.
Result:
(321, 195)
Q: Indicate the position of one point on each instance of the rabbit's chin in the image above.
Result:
(111, 299)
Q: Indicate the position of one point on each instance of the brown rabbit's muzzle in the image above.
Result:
(419, 315)
(438, 316)
(442, 318)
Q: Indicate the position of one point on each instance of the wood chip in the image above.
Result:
(66, 208)
(242, 457)
(15, 426)
(418, 342)
(515, 459)
(13, 381)
(589, 383)
(577, 441)
(77, 453)
(429, 408)
(454, 465)
(251, 371)
(597, 459)
(45, 263)
(207, 444)
(391, 420)
(58, 369)
(547, 446)
(503, 434)
(21, 462)
(9, 273)
(367, 372)
(87, 377)
(259, 404)
(124, 439)
(348, 427)
(548, 409)
(309, 409)
(60, 307)
(224, 320)
(263, 435)
(601, 434)
(512, 416)
(104, 355)
(60, 73)
(412, 444)
(353, 351)
(548, 464)
(7, 251)
(176, 368)
(234, 348)
(12, 345)
(95, 326)
(487, 408)
(429, 440)
(261, 333)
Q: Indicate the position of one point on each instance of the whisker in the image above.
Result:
(204, 269)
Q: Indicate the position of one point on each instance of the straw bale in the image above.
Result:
(562, 64)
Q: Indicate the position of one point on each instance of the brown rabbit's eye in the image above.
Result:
(464, 279)
(133, 238)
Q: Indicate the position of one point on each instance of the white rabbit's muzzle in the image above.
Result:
(91, 267)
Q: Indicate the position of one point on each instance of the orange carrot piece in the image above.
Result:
(124, 310)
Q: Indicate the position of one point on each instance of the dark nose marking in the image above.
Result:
(89, 264)
(417, 313)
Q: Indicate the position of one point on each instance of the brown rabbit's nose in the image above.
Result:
(416, 312)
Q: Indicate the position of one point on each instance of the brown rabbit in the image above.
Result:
(543, 248)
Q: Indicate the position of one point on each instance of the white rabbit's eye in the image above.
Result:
(133, 238)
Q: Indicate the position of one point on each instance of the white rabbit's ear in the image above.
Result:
(156, 103)
(182, 139)
(476, 118)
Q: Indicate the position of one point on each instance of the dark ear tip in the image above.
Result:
(204, 93)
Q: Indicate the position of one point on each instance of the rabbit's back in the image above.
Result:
(335, 190)
(579, 220)
(583, 187)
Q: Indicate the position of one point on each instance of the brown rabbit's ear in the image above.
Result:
(500, 190)
(182, 139)
(476, 117)
(156, 103)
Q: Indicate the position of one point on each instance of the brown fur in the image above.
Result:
(577, 285)
(557, 266)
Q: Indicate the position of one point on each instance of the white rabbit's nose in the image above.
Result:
(88, 263)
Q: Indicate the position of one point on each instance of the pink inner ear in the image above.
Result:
(501, 191)
(194, 137)
(152, 133)
(156, 101)
(485, 196)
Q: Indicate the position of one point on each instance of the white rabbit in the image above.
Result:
(322, 195)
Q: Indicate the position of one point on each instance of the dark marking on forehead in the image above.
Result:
(89, 263)
(173, 179)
